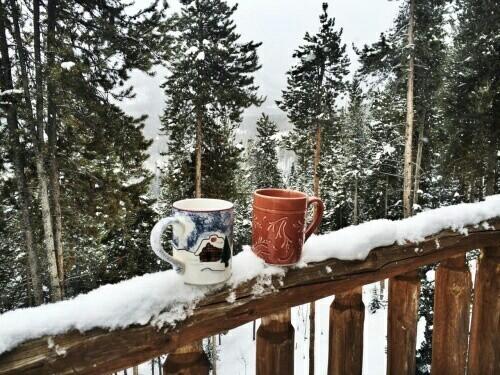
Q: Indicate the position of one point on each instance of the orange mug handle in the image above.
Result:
(318, 215)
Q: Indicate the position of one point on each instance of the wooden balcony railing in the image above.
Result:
(456, 349)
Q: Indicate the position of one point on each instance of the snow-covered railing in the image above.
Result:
(119, 326)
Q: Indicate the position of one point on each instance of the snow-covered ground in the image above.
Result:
(237, 352)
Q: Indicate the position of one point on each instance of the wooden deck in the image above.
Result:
(102, 352)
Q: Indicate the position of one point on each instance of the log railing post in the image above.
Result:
(347, 315)
(187, 360)
(275, 345)
(484, 344)
(451, 317)
(402, 321)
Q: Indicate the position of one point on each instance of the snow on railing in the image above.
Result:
(162, 300)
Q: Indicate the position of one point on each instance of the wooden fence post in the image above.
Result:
(402, 321)
(275, 345)
(451, 317)
(484, 344)
(187, 360)
(347, 315)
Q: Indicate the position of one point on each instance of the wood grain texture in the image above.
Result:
(345, 351)
(402, 318)
(100, 351)
(484, 344)
(452, 299)
(187, 360)
(275, 345)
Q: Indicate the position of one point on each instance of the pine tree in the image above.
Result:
(313, 85)
(226, 253)
(375, 303)
(85, 148)
(17, 154)
(387, 63)
(347, 164)
(426, 310)
(408, 69)
(472, 102)
(209, 85)
(263, 161)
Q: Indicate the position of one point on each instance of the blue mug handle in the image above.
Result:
(155, 240)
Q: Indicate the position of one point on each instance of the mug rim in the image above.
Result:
(260, 194)
(226, 205)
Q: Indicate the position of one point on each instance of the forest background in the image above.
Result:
(403, 124)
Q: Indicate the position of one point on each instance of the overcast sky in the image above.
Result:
(280, 26)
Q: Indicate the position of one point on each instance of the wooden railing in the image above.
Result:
(455, 349)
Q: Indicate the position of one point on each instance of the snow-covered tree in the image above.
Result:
(386, 63)
(210, 83)
(313, 85)
(471, 154)
(263, 159)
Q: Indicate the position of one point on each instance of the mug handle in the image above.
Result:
(155, 240)
(318, 215)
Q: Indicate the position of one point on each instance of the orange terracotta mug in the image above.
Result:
(279, 224)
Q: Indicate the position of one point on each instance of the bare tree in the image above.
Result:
(198, 148)
(418, 162)
(52, 140)
(37, 136)
(408, 153)
(17, 155)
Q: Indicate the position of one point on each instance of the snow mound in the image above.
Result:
(158, 299)
(162, 298)
(355, 242)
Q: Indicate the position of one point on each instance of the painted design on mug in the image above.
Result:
(215, 248)
(278, 242)
(203, 241)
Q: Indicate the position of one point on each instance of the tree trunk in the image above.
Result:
(213, 348)
(36, 130)
(407, 172)
(17, 154)
(386, 200)
(199, 141)
(312, 335)
(135, 370)
(418, 162)
(37, 135)
(491, 163)
(317, 158)
(52, 141)
(404, 289)
(312, 305)
(355, 213)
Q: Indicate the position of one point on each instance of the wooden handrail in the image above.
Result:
(100, 351)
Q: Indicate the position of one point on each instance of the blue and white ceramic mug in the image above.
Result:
(202, 240)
